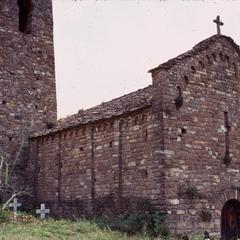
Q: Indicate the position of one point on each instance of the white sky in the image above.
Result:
(104, 49)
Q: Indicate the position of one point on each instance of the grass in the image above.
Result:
(27, 227)
(61, 229)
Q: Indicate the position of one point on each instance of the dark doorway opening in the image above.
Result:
(230, 220)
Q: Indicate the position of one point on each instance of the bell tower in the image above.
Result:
(27, 77)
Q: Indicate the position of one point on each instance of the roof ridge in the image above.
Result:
(195, 50)
(127, 103)
(104, 103)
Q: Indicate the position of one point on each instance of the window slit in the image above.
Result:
(25, 16)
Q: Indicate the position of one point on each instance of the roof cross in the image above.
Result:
(42, 211)
(15, 205)
(219, 24)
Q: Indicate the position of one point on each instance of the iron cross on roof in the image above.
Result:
(219, 24)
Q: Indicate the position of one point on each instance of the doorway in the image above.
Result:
(230, 220)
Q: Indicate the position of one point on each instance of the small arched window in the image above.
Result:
(25, 16)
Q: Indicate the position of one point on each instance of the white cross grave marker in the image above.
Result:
(15, 205)
(42, 211)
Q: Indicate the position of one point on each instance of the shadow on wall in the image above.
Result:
(108, 205)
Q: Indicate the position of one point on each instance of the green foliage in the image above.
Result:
(50, 125)
(191, 192)
(144, 223)
(196, 237)
(4, 216)
(205, 216)
(61, 230)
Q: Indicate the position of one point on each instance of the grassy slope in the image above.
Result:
(82, 230)
(27, 227)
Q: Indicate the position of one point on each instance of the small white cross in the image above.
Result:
(42, 211)
(15, 205)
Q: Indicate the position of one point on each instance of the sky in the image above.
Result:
(104, 48)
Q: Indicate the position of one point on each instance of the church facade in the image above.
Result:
(172, 146)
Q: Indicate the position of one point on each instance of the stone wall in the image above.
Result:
(198, 179)
(172, 146)
(105, 166)
(27, 79)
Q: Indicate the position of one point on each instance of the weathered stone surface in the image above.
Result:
(173, 145)
(152, 151)
(27, 79)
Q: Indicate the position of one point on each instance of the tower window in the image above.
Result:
(25, 15)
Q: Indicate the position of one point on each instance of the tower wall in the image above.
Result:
(27, 78)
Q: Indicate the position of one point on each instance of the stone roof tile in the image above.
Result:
(128, 103)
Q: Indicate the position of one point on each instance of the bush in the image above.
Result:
(4, 216)
(205, 216)
(136, 223)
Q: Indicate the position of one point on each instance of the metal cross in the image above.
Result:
(42, 211)
(219, 23)
(15, 205)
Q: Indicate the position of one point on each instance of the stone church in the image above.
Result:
(173, 146)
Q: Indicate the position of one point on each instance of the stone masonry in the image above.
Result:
(27, 78)
(173, 146)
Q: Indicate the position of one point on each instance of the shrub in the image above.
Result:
(205, 216)
(50, 125)
(136, 223)
(192, 192)
(4, 216)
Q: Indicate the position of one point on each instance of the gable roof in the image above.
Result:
(203, 45)
(131, 102)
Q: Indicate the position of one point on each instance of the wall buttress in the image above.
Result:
(59, 169)
(93, 180)
(120, 163)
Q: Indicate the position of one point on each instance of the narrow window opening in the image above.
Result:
(186, 80)
(110, 144)
(4, 102)
(227, 158)
(10, 138)
(144, 173)
(135, 121)
(81, 149)
(221, 56)
(193, 69)
(214, 56)
(143, 118)
(183, 130)
(179, 98)
(146, 135)
(227, 60)
(25, 16)
(208, 59)
(235, 69)
(83, 130)
(201, 64)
